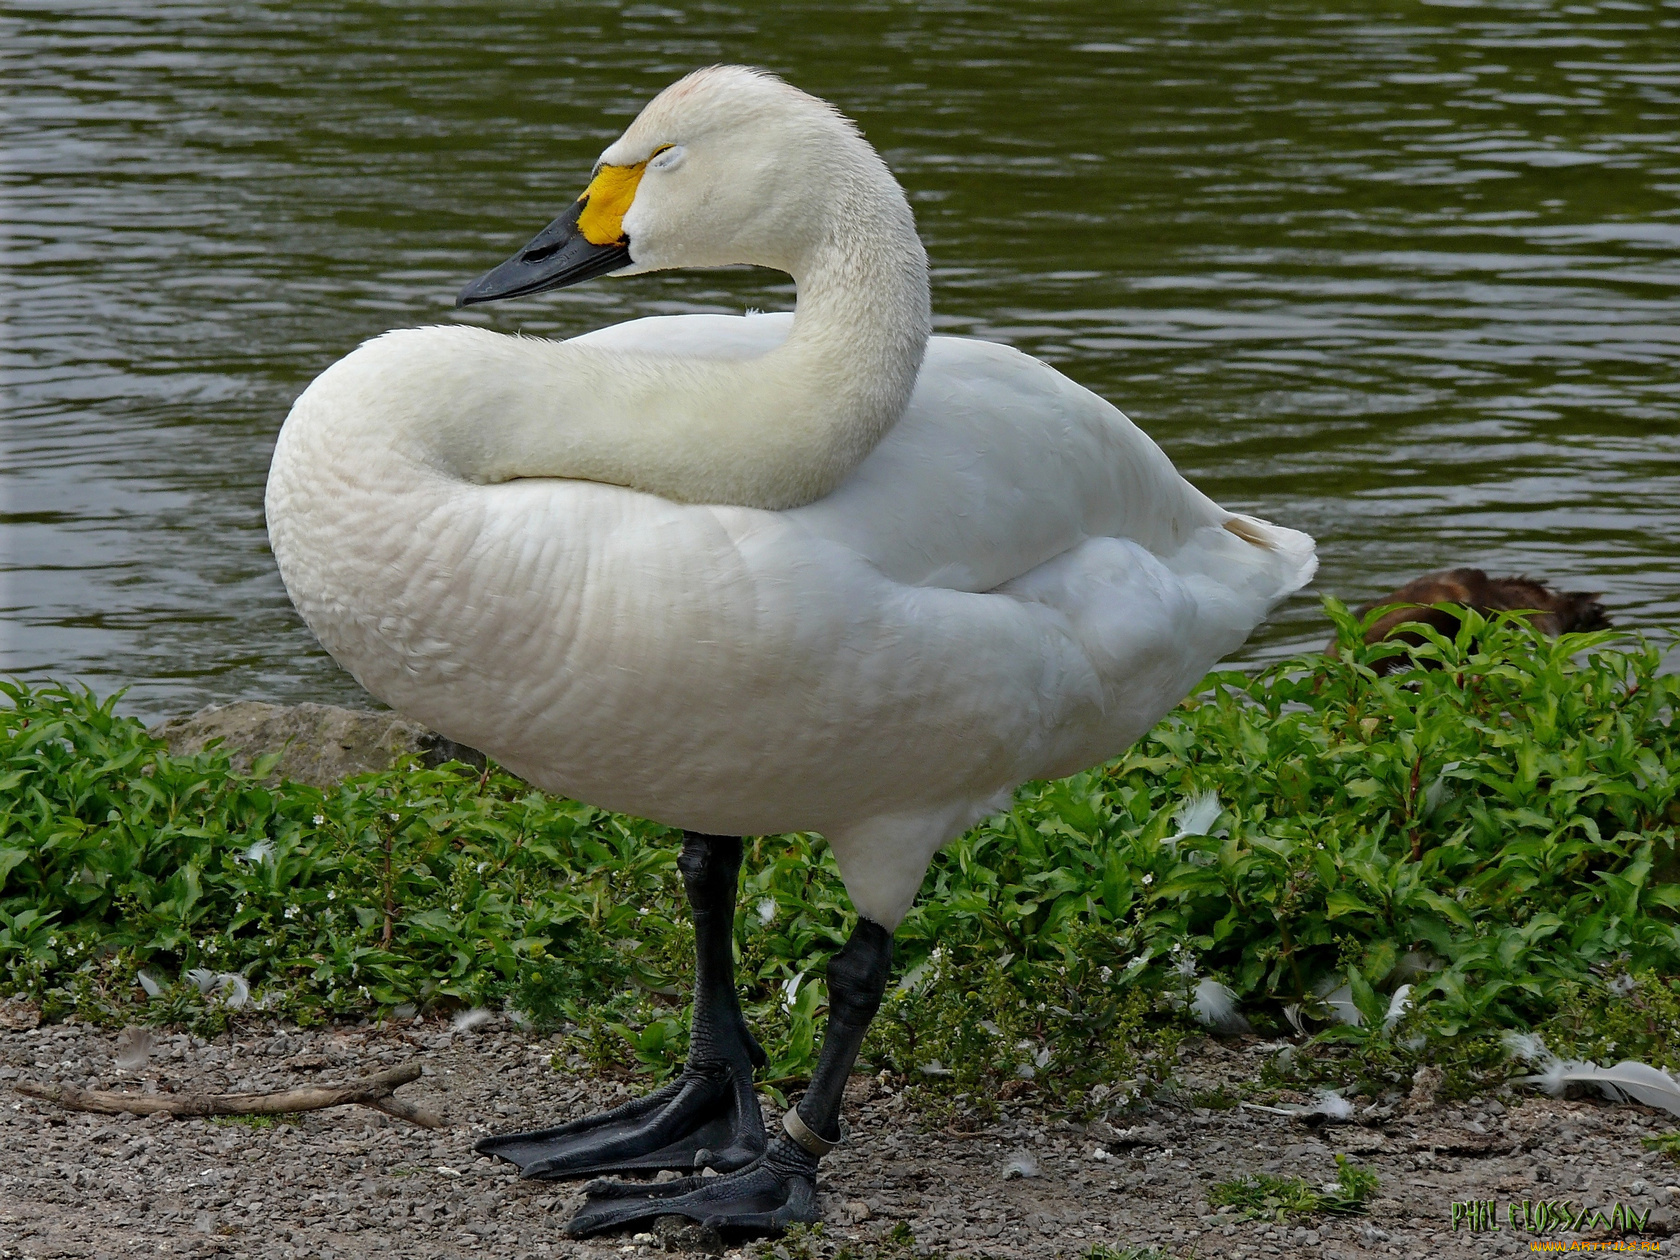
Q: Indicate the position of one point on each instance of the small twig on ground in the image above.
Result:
(374, 1092)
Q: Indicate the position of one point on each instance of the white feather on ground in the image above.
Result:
(1628, 1079)
(1398, 1005)
(1415, 964)
(227, 985)
(152, 987)
(1020, 1164)
(466, 1021)
(1340, 1002)
(1330, 1103)
(1638, 1081)
(1215, 1006)
(1526, 1046)
(134, 1047)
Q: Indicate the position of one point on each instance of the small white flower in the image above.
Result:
(320, 820)
(1149, 879)
(332, 894)
(394, 817)
(291, 912)
(1107, 973)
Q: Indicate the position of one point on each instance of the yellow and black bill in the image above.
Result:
(585, 242)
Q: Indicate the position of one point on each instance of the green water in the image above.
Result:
(1401, 275)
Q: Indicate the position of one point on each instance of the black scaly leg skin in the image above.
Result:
(781, 1187)
(708, 1116)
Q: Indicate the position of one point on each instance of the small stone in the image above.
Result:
(678, 1233)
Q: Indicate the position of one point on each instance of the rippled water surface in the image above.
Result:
(1402, 275)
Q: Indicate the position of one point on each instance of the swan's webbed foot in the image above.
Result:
(707, 1118)
(779, 1189)
(767, 1196)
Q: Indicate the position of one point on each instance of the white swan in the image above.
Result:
(753, 575)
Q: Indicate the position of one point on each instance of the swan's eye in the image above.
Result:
(666, 157)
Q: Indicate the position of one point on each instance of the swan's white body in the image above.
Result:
(1013, 583)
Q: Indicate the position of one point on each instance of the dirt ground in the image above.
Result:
(353, 1182)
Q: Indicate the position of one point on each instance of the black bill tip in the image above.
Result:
(557, 256)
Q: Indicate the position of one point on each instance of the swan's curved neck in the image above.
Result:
(776, 431)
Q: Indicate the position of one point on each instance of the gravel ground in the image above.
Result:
(352, 1182)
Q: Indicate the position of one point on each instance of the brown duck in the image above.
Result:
(1553, 612)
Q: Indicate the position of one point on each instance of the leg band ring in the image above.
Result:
(805, 1136)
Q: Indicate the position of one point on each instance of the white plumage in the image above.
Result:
(753, 575)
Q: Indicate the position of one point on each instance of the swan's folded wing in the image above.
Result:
(999, 465)
(1002, 463)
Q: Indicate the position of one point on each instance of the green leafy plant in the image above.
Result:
(1498, 831)
(809, 1242)
(1664, 1144)
(1263, 1197)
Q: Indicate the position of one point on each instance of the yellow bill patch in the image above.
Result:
(608, 197)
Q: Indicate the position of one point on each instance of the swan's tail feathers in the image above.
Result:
(1293, 555)
(1247, 530)
(1245, 567)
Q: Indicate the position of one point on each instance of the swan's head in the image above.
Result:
(729, 165)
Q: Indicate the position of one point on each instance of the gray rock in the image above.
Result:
(678, 1233)
(319, 744)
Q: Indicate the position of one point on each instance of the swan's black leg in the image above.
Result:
(708, 1116)
(780, 1188)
